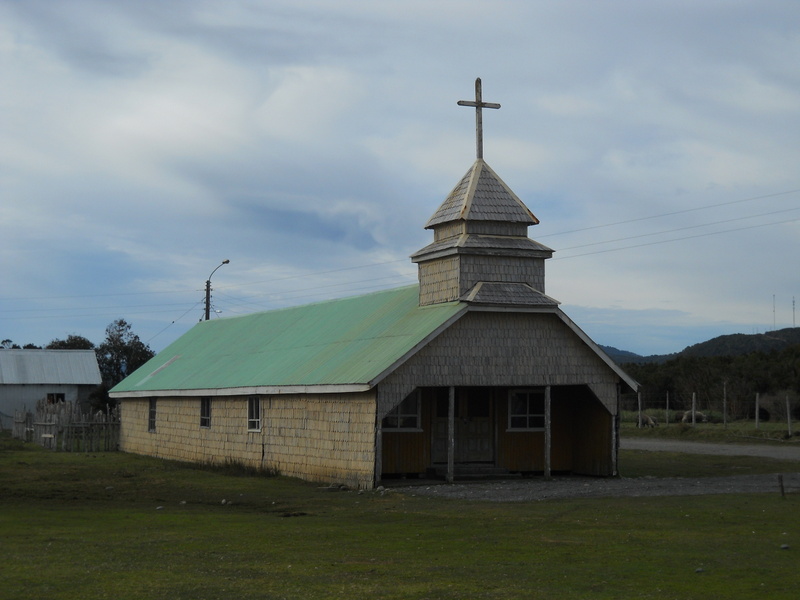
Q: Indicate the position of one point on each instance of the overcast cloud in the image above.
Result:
(141, 143)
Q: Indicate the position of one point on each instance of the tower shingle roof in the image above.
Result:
(482, 196)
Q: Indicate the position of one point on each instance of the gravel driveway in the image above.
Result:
(536, 489)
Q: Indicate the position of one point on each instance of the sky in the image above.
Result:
(308, 142)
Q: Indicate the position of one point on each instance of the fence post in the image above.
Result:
(725, 404)
(666, 414)
(758, 401)
(694, 408)
(788, 415)
(639, 400)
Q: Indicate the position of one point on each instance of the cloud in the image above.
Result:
(306, 104)
(141, 143)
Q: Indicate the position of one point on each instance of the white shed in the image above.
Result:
(27, 376)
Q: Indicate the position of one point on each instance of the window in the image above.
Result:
(55, 398)
(151, 416)
(526, 410)
(254, 413)
(404, 416)
(205, 412)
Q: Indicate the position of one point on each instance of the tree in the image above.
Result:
(121, 353)
(10, 345)
(73, 342)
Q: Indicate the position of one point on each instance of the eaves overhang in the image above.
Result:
(627, 379)
(249, 391)
(422, 343)
(423, 256)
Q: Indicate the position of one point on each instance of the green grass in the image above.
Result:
(741, 432)
(121, 526)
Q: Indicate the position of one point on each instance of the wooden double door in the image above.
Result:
(474, 426)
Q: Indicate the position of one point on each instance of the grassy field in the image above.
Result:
(735, 432)
(121, 526)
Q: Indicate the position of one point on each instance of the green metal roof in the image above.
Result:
(347, 342)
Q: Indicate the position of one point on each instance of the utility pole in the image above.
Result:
(208, 289)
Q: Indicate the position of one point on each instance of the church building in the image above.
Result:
(475, 370)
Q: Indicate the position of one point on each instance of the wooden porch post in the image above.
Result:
(451, 434)
(548, 438)
(378, 454)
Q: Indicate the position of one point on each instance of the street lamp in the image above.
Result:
(208, 289)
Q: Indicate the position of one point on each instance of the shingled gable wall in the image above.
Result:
(328, 438)
(486, 348)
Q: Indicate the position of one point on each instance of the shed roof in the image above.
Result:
(32, 367)
(344, 344)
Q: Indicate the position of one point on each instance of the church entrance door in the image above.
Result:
(474, 427)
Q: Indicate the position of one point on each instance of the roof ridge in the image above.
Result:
(474, 179)
(318, 302)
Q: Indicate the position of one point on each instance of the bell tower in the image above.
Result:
(481, 252)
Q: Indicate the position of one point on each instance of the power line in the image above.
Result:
(633, 237)
(339, 270)
(670, 214)
(285, 294)
(175, 321)
(116, 307)
(688, 237)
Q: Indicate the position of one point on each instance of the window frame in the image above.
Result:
(400, 414)
(530, 394)
(56, 397)
(205, 412)
(152, 413)
(254, 413)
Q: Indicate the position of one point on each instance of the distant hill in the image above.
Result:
(724, 345)
(740, 343)
(623, 356)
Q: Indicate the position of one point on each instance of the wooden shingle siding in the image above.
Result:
(497, 228)
(505, 349)
(438, 281)
(449, 230)
(329, 439)
(458, 228)
(506, 269)
(443, 280)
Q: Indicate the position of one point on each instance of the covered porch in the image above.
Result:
(466, 431)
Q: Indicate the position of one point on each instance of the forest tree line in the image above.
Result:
(773, 375)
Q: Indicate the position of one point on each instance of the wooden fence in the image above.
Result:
(64, 427)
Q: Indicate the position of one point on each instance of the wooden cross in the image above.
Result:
(478, 104)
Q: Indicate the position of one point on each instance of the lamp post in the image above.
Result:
(208, 289)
